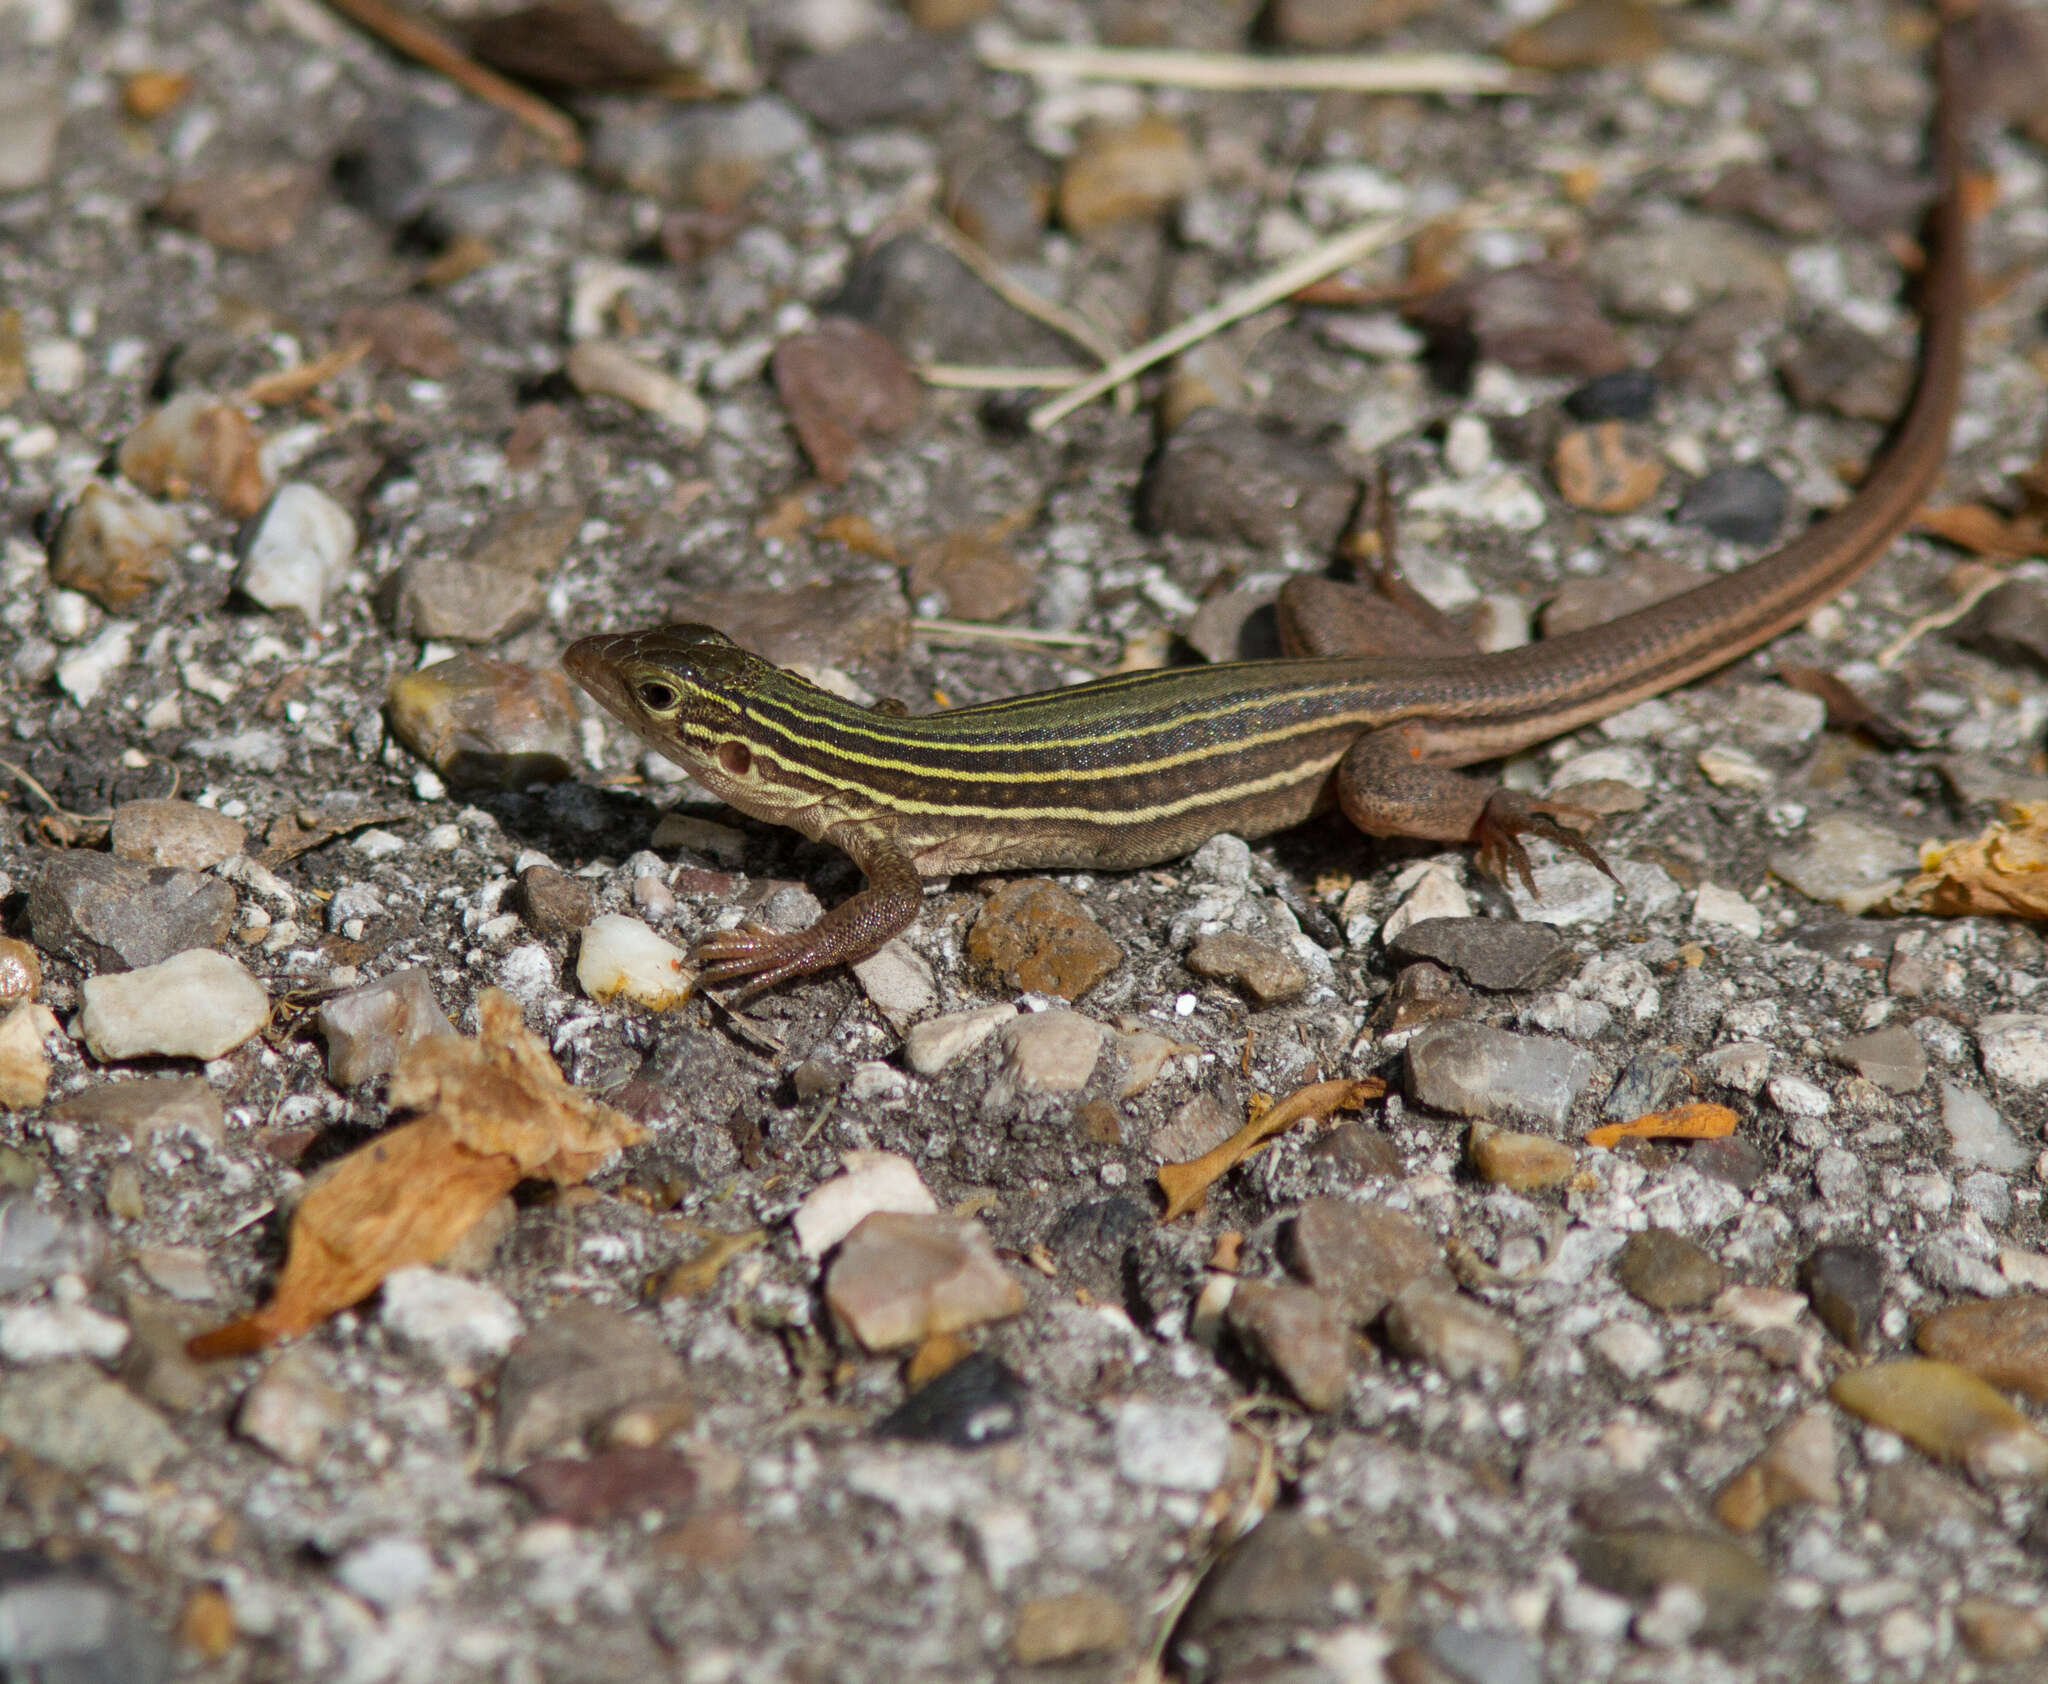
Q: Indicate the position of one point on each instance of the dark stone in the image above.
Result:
(978, 1401)
(1744, 504)
(908, 79)
(1360, 1256)
(1485, 1657)
(588, 1491)
(1096, 1224)
(1490, 953)
(1289, 1571)
(1646, 1083)
(111, 914)
(2010, 625)
(553, 903)
(1628, 394)
(1844, 1282)
(937, 310)
(1734, 1160)
(63, 1623)
(1638, 1563)
(1222, 475)
(1359, 1151)
(1666, 1271)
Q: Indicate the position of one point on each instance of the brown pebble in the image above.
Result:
(1265, 971)
(1294, 1332)
(553, 903)
(1995, 1630)
(1585, 34)
(206, 1624)
(148, 94)
(1099, 1124)
(1526, 1163)
(974, 572)
(843, 384)
(588, 1491)
(115, 544)
(405, 334)
(196, 444)
(256, 209)
(484, 722)
(176, 833)
(1051, 1629)
(1667, 1271)
(1125, 173)
(1605, 469)
(715, 1538)
(2003, 1340)
(1039, 938)
(21, 971)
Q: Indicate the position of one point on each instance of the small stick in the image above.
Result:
(1365, 73)
(1895, 651)
(288, 385)
(992, 377)
(970, 631)
(418, 40)
(1326, 259)
(996, 278)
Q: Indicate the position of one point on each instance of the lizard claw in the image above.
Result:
(1509, 816)
(762, 956)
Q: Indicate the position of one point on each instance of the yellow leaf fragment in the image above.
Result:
(2003, 872)
(1187, 1184)
(1682, 1122)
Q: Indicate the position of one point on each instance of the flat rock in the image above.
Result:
(1525, 1163)
(1640, 1562)
(932, 1045)
(1979, 1137)
(72, 1416)
(112, 914)
(899, 1279)
(1460, 1339)
(2015, 1048)
(1051, 1052)
(1667, 1271)
(572, 1371)
(1038, 938)
(486, 723)
(1949, 1413)
(463, 1327)
(1266, 972)
(2004, 1341)
(1497, 954)
(138, 1110)
(629, 1480)
(819, 625)
(1361, 1256)
(873, 1181)
(1223, 476)
(1892, 1058)
(291, 1411)
(1052, 1629)
(179, 834)
(1471, 1070)
(1298, 1335)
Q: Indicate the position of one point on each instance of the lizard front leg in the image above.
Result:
(847, 934)
(1387, 787)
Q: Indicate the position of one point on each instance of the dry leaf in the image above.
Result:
(1982, 531)
(495, 1111)
(1187, 1184)
(1682, 1122)
(2003, 872)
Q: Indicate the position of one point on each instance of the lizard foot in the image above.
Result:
(762, 956)
(1509, 815)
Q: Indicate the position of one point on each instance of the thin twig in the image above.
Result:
(993, 377)
(969, 631)
(288, 385)
(49, 800)
(1895, 651)
(1366, 73)
(407, 34)
(1326, 259)
(996, 278)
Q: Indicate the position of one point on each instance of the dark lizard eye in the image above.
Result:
(657, 698)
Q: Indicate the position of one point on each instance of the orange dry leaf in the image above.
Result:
(1186, 1185)
(494, 1112)
(1986, 532)
(1682, 1122)
(2003, 872)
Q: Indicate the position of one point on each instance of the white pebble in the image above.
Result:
(298, 551)
(618, 955)
(199, 1004)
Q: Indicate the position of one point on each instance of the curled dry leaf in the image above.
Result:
(1187, 1184)
(2003, 872)
(492, 1112)
(1681, 1122)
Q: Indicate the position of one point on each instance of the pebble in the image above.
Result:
(57, 1330)
(1845, 862)
(553, 903)
(932, 1045)
(900, 1279)
(1199, 1125)
(977, 1401)
(643, 1482)
(1844, 1281)
(83, 674)
(254, 209)
(898, 981)
(1949, 1413)
(1586, 34)
(387, 1573)
(1978, 1136)
(139, 1111)
(1126, 172)
(934, 309)
(909, 79)
(463, 1327)
(1297, 1334)
(483, 722)
(1836, 366)
(70, 1415)
(1894, 1059)
(999, 195)
(1293, 1574)
(1717, 908)
(1667, 1271)
(197, 445)
(703, 153)
(1533, 318)
(1640, 1562)
(1221, 475)
(826, 625)
(30, 118)
(297, 552)
(1471, 1070)
(199, 1004)
(40, 1242)
(844, 385)
(406, 334)
(2010, 625)
(1996, 1630)
(1605, 468)
(2004, 1341)
(178, 834)
(1267, 973)
(1053, 1629)
(21, 972)
(1051, 1052)
(2014, 1046)
(368, 1029)
(1171, 1446)
(620, 957)
(61, 1620)
(1498, 955)
(1628, 394)
(1524, 1163)
(24, 1065)
(461, 599)
(1731, 769)
(873, 1181)
(1360, 1257)
(115, 544)
(974, 573)
(1797, 1467)
(1038, 938)
(573, 1371)
(1461, 1339)
(1744, 504)
(599, 369)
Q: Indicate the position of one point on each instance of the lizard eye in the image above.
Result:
(657, 698)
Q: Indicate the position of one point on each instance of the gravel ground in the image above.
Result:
(873, 1358)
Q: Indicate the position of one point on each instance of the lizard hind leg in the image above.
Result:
(1386, 787)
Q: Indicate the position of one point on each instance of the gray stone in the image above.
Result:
(1298, 1335)
(1361, 1256)
(1471, 1070)
(705, 152)
(1844, 1281)
(1172, 1446)
(1892, 1058)
(71, 1415)
(1496, 954)
(901, 79)
(297, 551)
(61, 1623)
(138, 1110)
(111, 914)
(1265, 971)
(1485, 1657)
(1461, 1339)
(1667, 1271)
(1641, 1562)
(1978, 1137)
(39, 1242)
(1221, 475)
(574, 1370)
(369, 1028)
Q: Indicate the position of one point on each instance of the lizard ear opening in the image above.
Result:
(735, 758)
